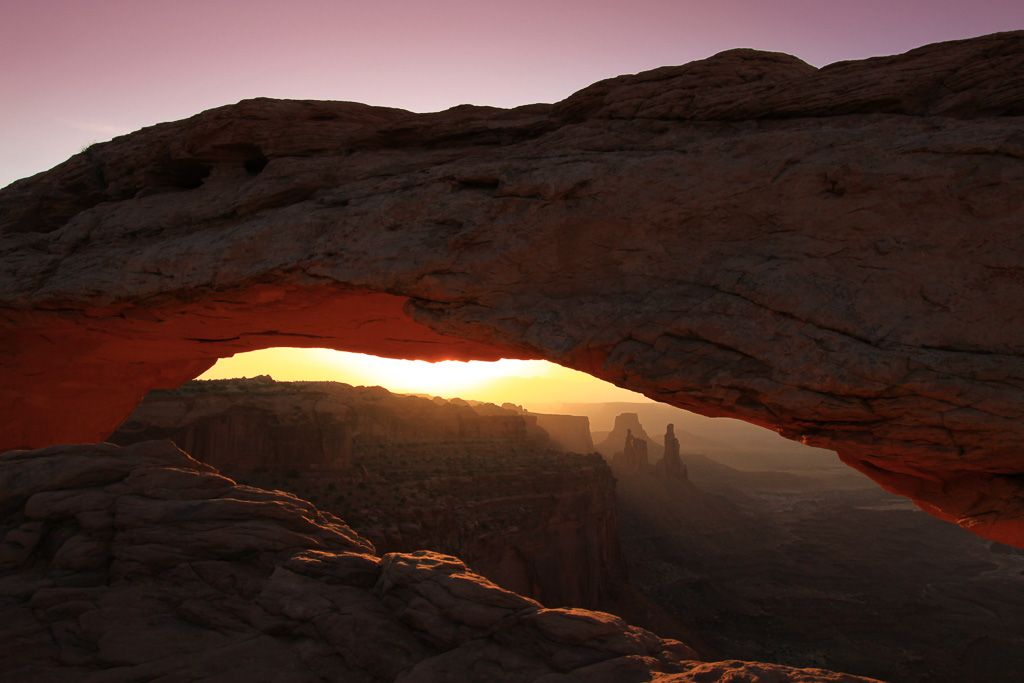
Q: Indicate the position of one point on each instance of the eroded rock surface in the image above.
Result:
(478, 482)
(241, 425)
(832, 253)
(139, 563)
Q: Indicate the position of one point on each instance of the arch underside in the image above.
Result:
(849, 277)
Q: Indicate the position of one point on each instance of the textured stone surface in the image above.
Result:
(241, 425)
(833, 253)
(143, 564)
(407, 472)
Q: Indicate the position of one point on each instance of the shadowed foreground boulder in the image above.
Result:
(140, 563)
(832, 253)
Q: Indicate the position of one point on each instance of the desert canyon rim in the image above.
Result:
(831, 253)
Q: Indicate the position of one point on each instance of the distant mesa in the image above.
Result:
(627, 424)
(259, 423)
(630, 451)
(570, 433)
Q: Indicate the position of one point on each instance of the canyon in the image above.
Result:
(139, 562)
(480, 482)
(735, 562)
(748, 559)
(833, 254)
(142, 563)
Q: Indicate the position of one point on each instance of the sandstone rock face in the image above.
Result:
(243, 425)
(832, 253)
(143, 564)
(628, 425)
(410, 473)
(571, 433)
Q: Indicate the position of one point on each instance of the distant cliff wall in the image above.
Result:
(571, 433)
(242, 425)
(542, 526)
(485, 483)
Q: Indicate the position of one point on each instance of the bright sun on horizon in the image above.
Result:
(523, 382)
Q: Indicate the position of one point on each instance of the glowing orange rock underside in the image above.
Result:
(74, 368)
(72, 365)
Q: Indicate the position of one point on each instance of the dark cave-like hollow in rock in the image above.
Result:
(831, 253)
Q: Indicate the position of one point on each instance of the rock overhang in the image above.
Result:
(831, 253)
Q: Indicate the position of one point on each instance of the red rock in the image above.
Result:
(627, 424)
(479, 482)
(243, 425)
(228, 583)
(571, 433)
(830, 253)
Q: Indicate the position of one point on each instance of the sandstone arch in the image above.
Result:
(835, 254)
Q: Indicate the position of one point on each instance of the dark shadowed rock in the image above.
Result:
(476, 481)
(140, 563)
(242, 425)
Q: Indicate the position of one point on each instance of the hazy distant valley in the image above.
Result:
(763, 550)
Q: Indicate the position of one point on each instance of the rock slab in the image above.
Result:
(140, 563)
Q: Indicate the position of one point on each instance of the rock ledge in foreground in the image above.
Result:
(139, 563)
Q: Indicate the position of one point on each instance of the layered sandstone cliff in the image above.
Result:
(244, 424)
(571, 433)
(410, 473)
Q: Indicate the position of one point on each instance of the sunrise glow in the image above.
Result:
(524, 382)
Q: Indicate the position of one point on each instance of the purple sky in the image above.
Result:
(81, 71)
